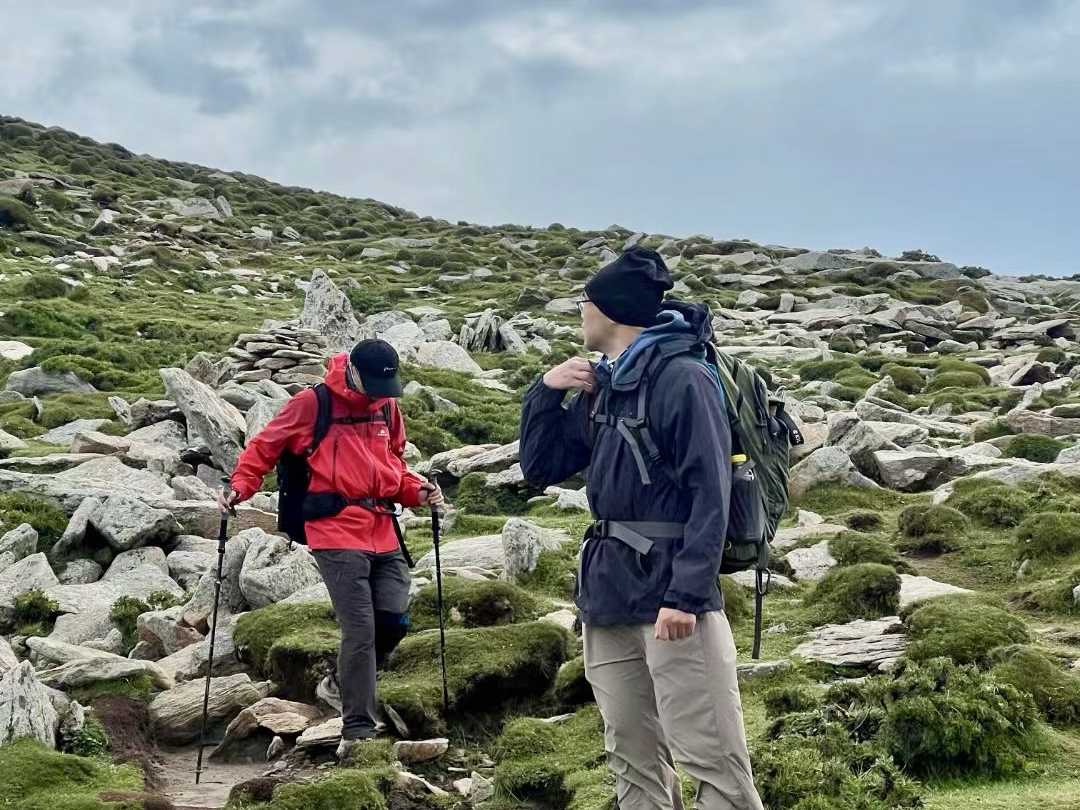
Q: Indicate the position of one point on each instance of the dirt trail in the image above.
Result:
(176, 772)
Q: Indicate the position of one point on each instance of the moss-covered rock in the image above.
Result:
(861, 591)
(473, 495)
(294, 645)
(951, 365)
(908, 380)
(962, 627)
(1049, 534)
(489, 669)
(1053, 595)
(1056, 693)
(992, 503)
(931, 529)
(479, 604)
(852, 548)
(861, 521)
(343, 789)
(46, 517)
(1035, 447)
(738, 606)
(555, 573)
(555, 765)
(571, 689)
(38, 778)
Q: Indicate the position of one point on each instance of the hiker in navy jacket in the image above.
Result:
(658, 649)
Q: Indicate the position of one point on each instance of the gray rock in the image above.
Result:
(260, 414)
(764, 669)
(176, 715)
(9, 442)
(66, 434)
(792, 536)
(98, 597)
(858, 439)
(414, 752)
(272, 716)
(52, 651)
(911, 470)
(874, 644)
(915, 589)
(811, 564)
(127, 523)
(220, 424)
(474, 552)
(188, 567)
(499, 459)
(112, 643)
(748, 579)
(169, 433)
(36, 382)
(25, 575)
(100, 477)
(1033, 422)
(198, 609)
(17, 544)
(192, 488)
(83, 671)
(83, 628)
(76, 529)
(272, 571)
(828, 465)
(327, 310)
(25, 708)
(8, 661)
(80, 572)
(164, 629)
(192, 661)
(446, 355)
(522, 543)
(314, 593)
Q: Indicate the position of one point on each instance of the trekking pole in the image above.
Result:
(432, 476)
(222, 537)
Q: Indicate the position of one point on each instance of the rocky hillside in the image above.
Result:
(922, 644)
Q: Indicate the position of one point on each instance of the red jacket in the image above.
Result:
(362, 460)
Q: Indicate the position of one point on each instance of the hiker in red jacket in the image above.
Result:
(358, 550)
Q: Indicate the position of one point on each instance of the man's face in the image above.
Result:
(595, 324)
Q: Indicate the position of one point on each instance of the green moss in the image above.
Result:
(907, 379)
(480, 604)
(992, 503)
(554, 765)
(852, 548)
(488, 670)
(836, 499)
(475, 497)
(90, 741)
(1032, 671)
(1035, 447)
(1054, 595)
(962, 627)
(554, 573)
(824, 369)
(35, 776)
(48, 520)
(1051, 354)
(1049, 534)
(795, 697)
(34, 608)
(138, 687)
(954, 379)
(951, 365)
(931, 529)
(294, 644)
(571, 689)
(861, 591)
(342, 790)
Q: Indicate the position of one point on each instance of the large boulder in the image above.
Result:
(217, 422)
(485, 552)
(17, 544)
(327, 310)
(36, 382)
(98, 597)
(499, 459)
(127, 523)
(188, 567)
(522, 543)
(26, 709)
(176, 715)
(128, 561)
(829, 465)
(445, 355)
(165, 631)
(871, 644)
(25, 575)
(254, 728)
(98, 478)
(273, 571)
(201, 604)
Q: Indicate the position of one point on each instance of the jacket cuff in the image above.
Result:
(677, 600)
(409, 497)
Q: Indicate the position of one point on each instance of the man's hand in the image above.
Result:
(575, 373)
(227, 502)
(673, 625)
(431, 495)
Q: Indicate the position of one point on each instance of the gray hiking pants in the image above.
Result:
(667, 701)
(370, 594)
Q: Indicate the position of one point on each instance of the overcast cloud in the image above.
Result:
(949, 125)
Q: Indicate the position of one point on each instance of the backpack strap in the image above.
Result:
(323, 419)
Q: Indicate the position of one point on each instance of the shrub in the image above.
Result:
(47, 518)
(1049, 534)
(908, 380)
(954, 379)
(1035, 447)
(125, 613)
(480, 604)
(15, 215)
(931, 529)
(1055, 692)
(992, 503)
(1051, 354)
(89, 741)
(862, 591)
(34, 608)
(963, 627)
(45, 285)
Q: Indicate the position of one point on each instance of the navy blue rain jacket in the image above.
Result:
(686, 415)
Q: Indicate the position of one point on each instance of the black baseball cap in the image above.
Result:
(376, 362)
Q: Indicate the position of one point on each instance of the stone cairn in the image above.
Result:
(288, 355)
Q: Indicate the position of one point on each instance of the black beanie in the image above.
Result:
(630, 289)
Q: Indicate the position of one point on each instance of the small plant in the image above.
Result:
(46, 517)
(33, 609)
(89, 741)
(125, 614)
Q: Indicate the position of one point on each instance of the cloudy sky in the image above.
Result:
(948, 125)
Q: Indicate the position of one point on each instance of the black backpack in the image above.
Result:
(294, 472)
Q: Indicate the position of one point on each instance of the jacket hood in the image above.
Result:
(680, 328)
(335, 381)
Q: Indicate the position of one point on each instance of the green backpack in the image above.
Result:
(761, 431)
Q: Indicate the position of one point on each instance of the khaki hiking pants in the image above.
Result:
(666, 701)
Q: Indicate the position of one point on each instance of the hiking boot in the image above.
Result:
(328, 692)
(346, 748)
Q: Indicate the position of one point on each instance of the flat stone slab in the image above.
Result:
(871, 644)
(914, 589)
